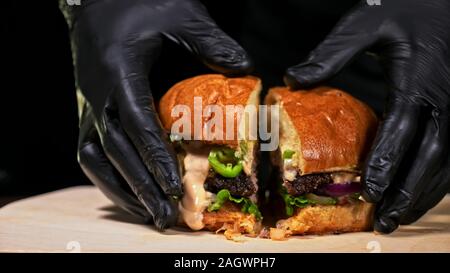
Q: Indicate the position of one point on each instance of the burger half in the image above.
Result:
(325, 135)
(218, 173)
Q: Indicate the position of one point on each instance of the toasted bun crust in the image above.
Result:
(214, 89)
(329, 219)
(329, 129)
(232, 221)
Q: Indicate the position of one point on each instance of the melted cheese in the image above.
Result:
(289, 172)
(345, 177)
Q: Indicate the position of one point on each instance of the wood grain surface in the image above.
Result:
(81, 219)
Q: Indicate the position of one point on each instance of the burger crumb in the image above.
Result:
(265, 233)
(278, 234)
(234, 236)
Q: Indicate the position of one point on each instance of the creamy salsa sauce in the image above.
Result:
(195, 198)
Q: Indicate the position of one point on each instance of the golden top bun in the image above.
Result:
(328, 129)
(214, 89)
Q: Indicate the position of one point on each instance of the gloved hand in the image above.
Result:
(122, 147)
(408, 168)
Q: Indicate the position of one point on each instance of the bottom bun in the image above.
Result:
(319, 219)
(232, 222)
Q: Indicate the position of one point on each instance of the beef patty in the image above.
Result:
(240, 185)
(307, 183)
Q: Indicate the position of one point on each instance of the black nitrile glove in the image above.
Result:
(408, 168)
(114, 44)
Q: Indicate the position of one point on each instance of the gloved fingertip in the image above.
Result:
(165, 217)
(235, 65)
(243, 67)
(385, 225)
(298, 77)
(160, 224)
(291, 82)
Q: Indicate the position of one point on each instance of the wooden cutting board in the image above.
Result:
(82, 219)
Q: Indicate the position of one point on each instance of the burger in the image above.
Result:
(325, 135)
(216, 150)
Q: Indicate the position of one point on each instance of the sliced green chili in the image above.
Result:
(222, 163)
(288, 154)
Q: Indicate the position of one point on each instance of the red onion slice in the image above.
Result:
(336, 190)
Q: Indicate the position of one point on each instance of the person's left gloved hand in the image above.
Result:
(123, 148)
(408, 168)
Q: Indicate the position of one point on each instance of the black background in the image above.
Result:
(38, 114)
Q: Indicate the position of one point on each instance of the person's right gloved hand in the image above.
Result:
(408, 169)
(122, 146)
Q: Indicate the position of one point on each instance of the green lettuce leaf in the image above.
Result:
(302, 201)
(247, 205)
